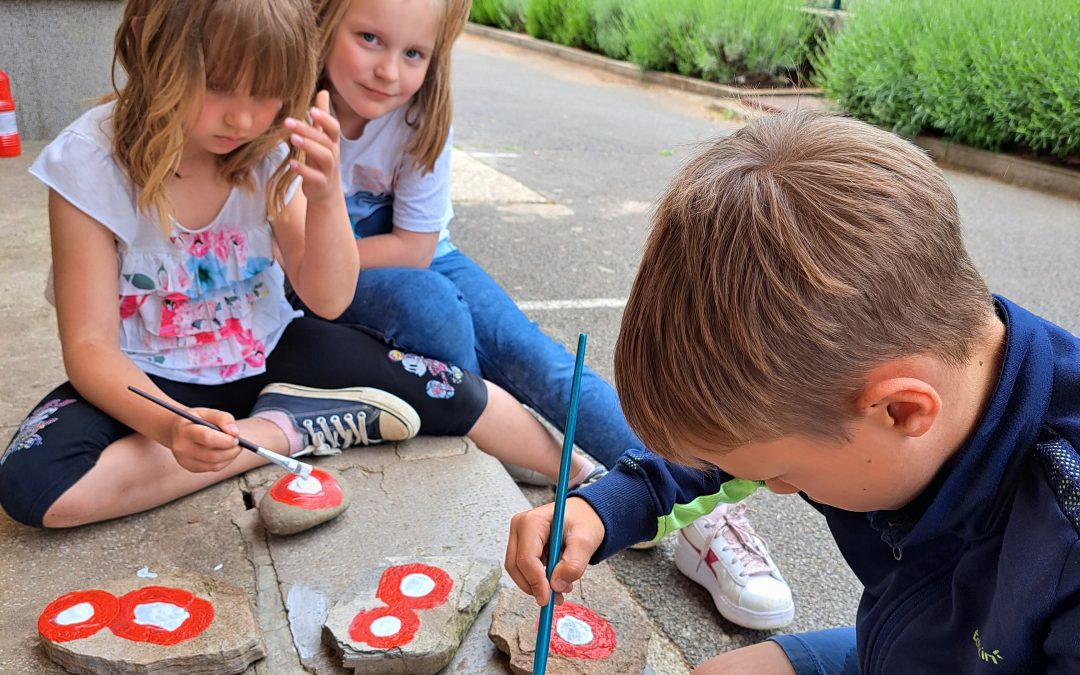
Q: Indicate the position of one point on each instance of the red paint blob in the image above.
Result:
(200, 615)
(603, 642)
(389, 590)
(105, 607)
(360, 627)
(328, 497)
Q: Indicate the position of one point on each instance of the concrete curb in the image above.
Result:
(740, 102)
(626, 69)
(1005, 168)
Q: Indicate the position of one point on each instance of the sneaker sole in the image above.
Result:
(686, 560)
(398, 421)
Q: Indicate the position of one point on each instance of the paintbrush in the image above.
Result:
(543, 628)
(288, 463)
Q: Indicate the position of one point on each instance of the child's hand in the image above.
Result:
(319, 141)
(526, 554)
(200, 449)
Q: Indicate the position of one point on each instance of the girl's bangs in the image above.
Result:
(250, 42)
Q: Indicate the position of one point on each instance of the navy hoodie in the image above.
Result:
(981, 572)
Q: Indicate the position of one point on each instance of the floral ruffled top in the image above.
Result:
(203, 306)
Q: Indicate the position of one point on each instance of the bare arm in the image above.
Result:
(85, 280)
(398, 248)
(313, 232)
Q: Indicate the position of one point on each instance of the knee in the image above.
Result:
(764, 658)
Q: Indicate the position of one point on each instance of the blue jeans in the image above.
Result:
(455, 312)
(822, 652)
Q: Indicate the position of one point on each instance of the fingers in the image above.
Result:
(318, 139)
(525, 551)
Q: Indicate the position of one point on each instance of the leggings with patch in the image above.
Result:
(64, 436)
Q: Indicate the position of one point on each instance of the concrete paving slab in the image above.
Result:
(29, 350)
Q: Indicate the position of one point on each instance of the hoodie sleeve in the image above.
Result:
(645, 497)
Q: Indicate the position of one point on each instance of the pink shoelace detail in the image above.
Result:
(731, 525)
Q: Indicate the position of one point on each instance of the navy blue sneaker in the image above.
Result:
(330, 420)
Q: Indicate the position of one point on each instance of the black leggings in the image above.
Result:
(62, 439)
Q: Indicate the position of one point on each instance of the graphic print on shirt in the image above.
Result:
(27, 436)
(203, 301)
(448, 376)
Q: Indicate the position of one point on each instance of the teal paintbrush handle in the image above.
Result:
(543, 629)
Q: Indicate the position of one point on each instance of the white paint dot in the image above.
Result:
(75, 614)
(417, 585)
(574, 630)
(145, 573)
(385, 626)
(161, 614)
(305, 485)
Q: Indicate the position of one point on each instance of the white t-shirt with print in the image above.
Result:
(203, 306)
(376, 169)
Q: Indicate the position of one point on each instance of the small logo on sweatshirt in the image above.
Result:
(993, 657)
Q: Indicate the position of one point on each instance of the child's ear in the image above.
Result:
(907, 404)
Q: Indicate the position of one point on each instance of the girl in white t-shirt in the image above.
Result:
(165, 206)
(387, 68)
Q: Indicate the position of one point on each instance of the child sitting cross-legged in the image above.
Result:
(822, 331)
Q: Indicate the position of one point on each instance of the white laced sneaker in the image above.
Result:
(722, 552)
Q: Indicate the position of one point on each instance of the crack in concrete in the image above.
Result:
(269, 604)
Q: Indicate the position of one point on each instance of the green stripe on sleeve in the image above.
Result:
(734, 490)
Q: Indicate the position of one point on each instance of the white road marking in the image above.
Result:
(590, 303)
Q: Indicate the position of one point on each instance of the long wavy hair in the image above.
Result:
(171, 50)
(431, 110)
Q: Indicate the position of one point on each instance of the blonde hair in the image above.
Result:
(431, 110)
(785, 263)
(171, 51)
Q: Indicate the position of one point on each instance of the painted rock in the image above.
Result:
(177, 624)
(409, 615)
(294, 504)
(596, 631)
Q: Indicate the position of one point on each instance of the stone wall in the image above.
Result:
(58, 54)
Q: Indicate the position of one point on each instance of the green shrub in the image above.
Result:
(717, 39)
(505, 14)
(567, 22)
(989, 74)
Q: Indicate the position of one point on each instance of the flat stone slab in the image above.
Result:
(191, 535)
(598, 630)
(407, 616)
(177, 624)
(294, 504)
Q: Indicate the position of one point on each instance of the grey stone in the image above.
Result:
(599, 603)
(468, 584)
(229, 643)
(281, 518)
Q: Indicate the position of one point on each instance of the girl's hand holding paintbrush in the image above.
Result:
(199, 448)
(530, 531)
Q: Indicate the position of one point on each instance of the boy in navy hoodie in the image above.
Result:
(806, 318)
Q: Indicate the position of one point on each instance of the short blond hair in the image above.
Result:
(784, 263)
(171, 50)
(431, 110)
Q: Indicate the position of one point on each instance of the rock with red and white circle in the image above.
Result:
(409, 615)
(175, 624)
(597, 630)
(294, 503)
